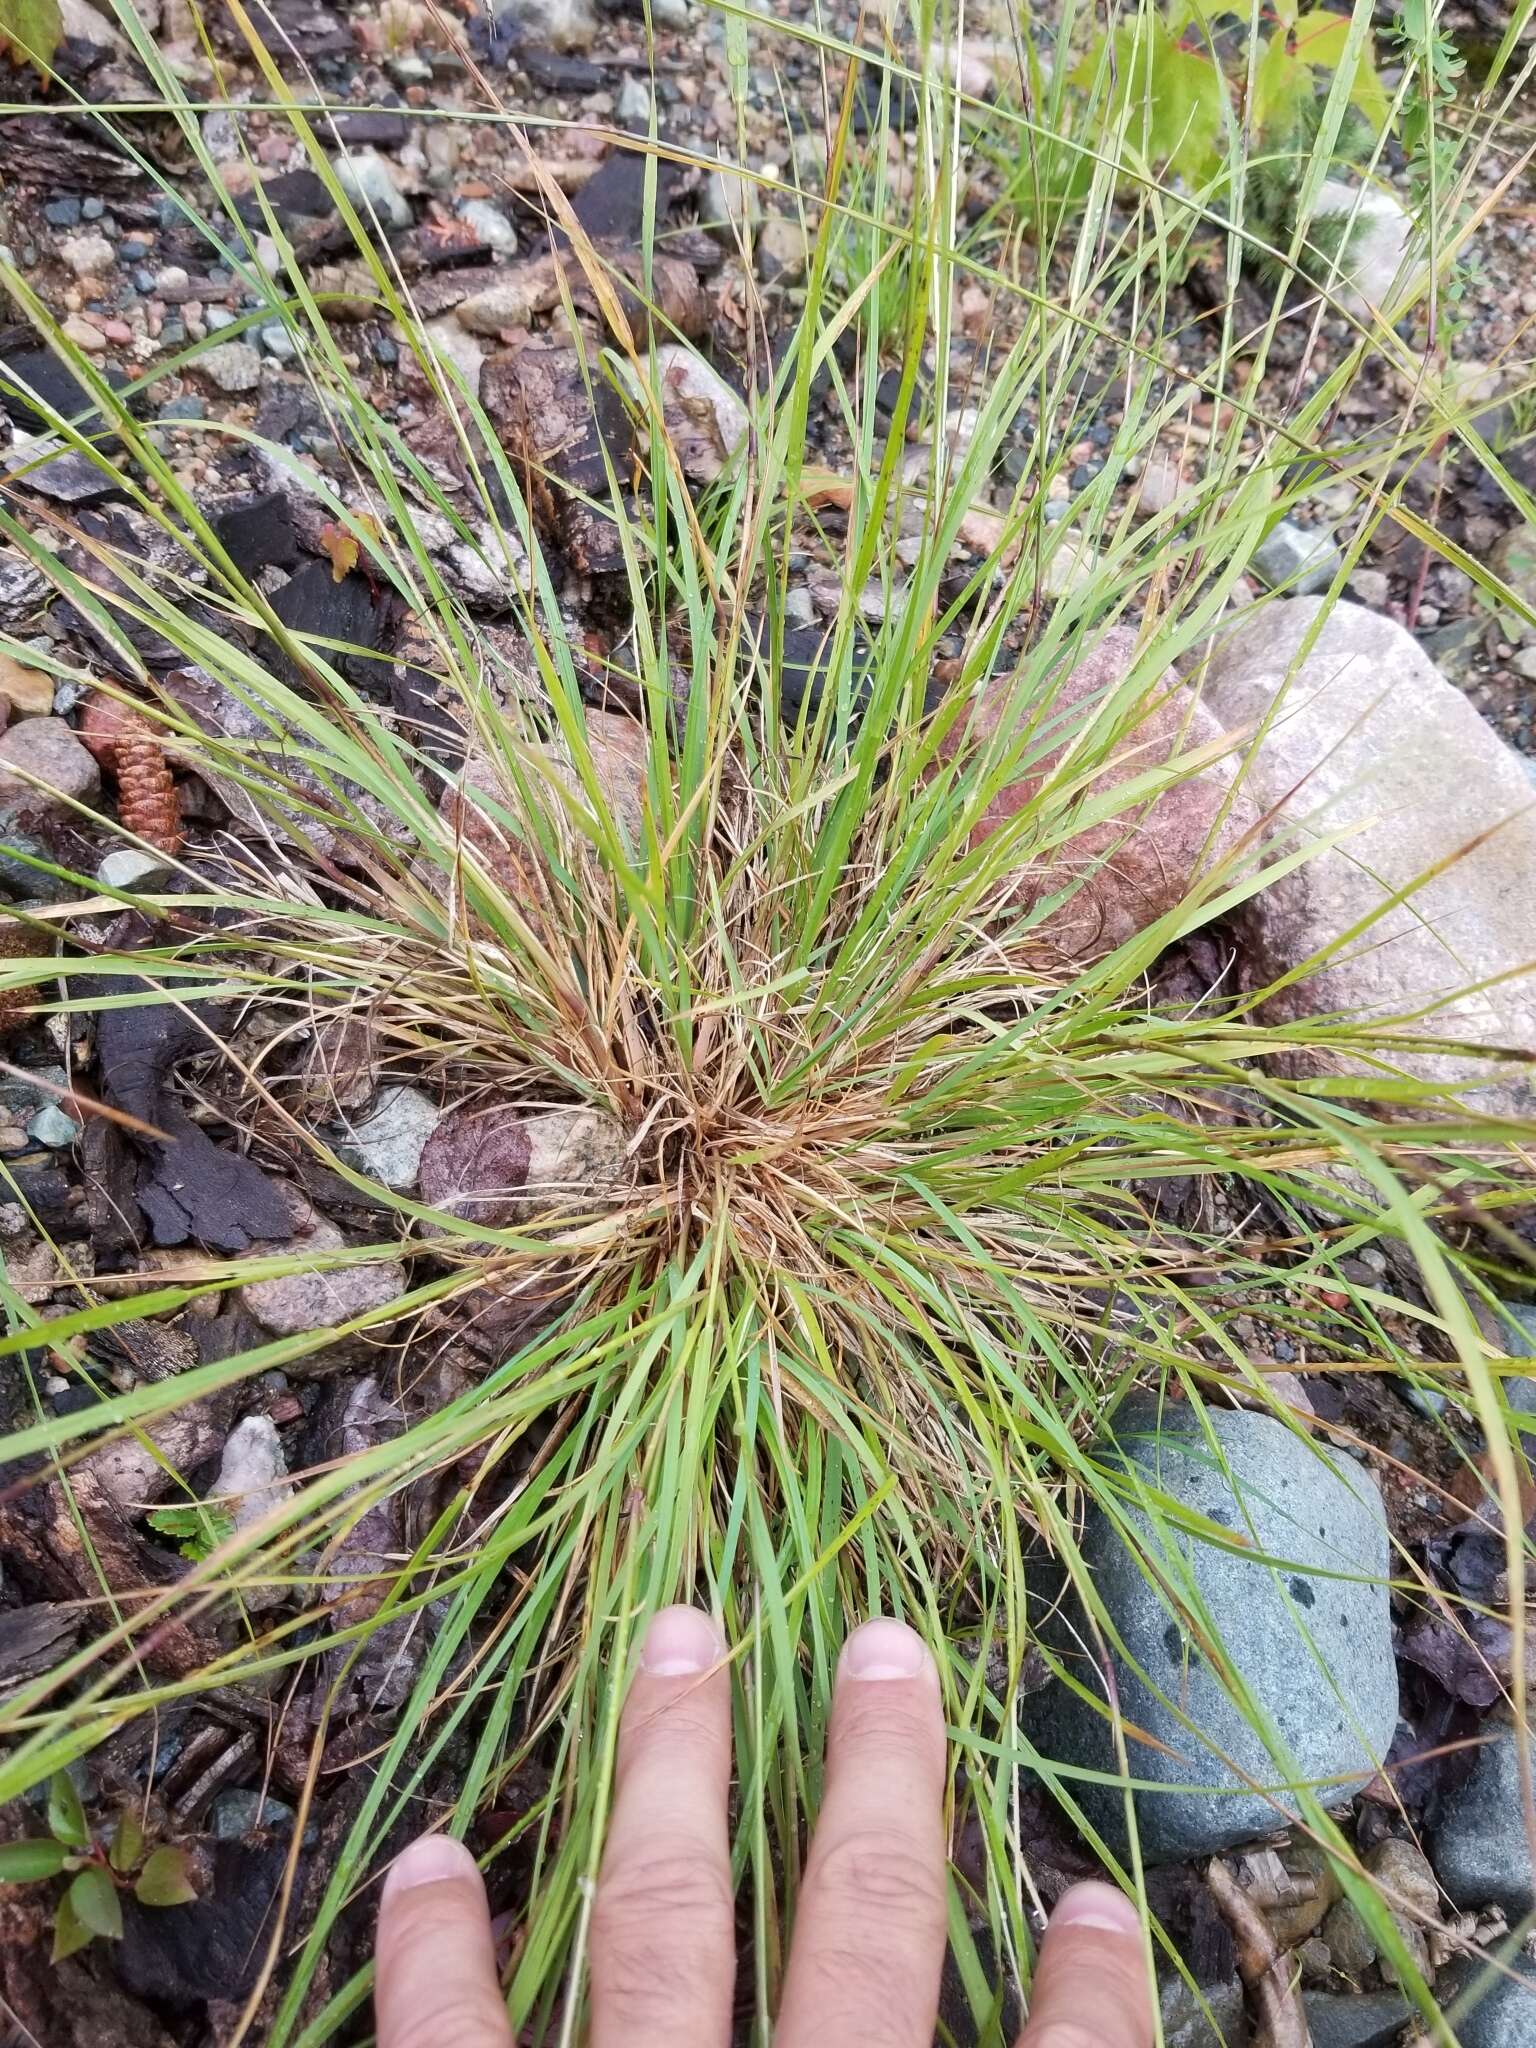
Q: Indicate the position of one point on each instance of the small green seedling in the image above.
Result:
(91, 1906)
(199, 1530)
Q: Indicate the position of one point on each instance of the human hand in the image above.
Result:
(870, 1929)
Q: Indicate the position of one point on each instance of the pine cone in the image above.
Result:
(124, 742)
(147, 801)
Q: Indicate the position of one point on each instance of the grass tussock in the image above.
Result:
(904, 1200)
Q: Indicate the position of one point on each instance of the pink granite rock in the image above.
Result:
(1140, 862)
(1404, 790)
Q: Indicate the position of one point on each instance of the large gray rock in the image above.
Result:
(1481, 1853)
(1501, 2012)
(1371, 742)
(1300, 1610)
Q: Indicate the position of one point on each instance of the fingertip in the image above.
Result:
(430, 1859)
(884, 1649)
(1098, 1905)
(681, 1642)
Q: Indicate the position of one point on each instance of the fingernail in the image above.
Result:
(680, 1643)
(429, 1860)
(1098, 1905)
(883, 1648)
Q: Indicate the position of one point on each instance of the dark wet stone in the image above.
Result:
(374, 127)
(31, 374)
(292, 195)
(552, 72)
(313, 602)
(257, 533)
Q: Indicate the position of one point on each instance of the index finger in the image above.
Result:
(1092, 1983)
(664, 1924)
(869, 1935)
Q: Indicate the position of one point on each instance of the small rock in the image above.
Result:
(28, 692)
(386, 1143)
(1072, 563)
(1302, 558)
(277, 341)
(632, 107)
(1311, 1637)
(1482, 1856)
(464, 350)
(1160, 484)
(1355, 2020)
(1372, 266)
(1404, 1875)
(510, 302)
(126, 868)
(313, 1300)
(1311, 1869)
(729, 202)
(705, 419)
(490, 224)
(68, 478)
(1139, 864)
(62, 213)
(238, 1813)
(184, 408)
(54, 1128)
(253, 1473)
(85, 334)
(368, 181)
(799, 608)
(1371, 587)
(87, 255)
(783, 249)
(492, 1166)
(557, 24)
(1215, 2016)
(232, 366)
(24, 589)
(44, 749)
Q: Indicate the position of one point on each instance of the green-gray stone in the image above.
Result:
(1306, 1624)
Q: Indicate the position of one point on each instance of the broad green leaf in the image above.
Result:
(1188, 103)
(25, 1862)
(1321, 38)
(69, 1930)
(97, 1906)
(1282, 91)
(30, 31)
(165, 1880)
(1168, 99)
(127, 1844)
(1368, 95)
(66, 1816)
